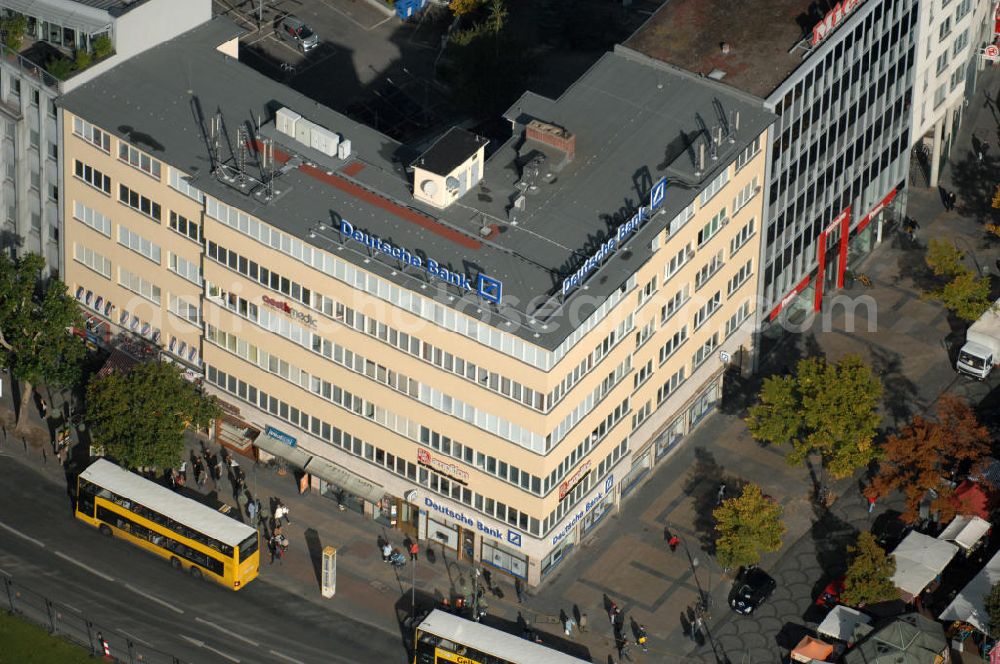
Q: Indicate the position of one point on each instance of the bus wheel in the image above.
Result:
(106, 530)
(175, 563)
(195, 572)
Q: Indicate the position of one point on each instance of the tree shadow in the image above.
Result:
(974, 180)
(702, 486)
(831, 537)
(900, 396)
(913, 267)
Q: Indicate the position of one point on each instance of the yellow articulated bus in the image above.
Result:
(189, 534)
(442, 637)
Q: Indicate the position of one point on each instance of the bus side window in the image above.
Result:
(85, 499)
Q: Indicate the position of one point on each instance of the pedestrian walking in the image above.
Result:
(583, 622)
(641, 638)
(252, 511)
(183, 471)
(952, 199)
(386, 552)
(979, 155)
(281, 512)
(612, 610)
(673, 543)
(722, 494)
(414, 550)
(568, 626)
(871, 504)
(519, 590)
(44, 407)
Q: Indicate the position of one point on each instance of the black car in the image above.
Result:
(752, 586)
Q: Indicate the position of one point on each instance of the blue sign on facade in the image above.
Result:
(280, 436)
(513, 537)
(488, 288)
(657, 194)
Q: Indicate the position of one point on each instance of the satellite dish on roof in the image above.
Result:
(451, 182)
(429, 187)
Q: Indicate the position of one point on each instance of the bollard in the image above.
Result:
(104, 646)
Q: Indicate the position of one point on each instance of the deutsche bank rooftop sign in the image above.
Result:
(621, 235)
(487, 288)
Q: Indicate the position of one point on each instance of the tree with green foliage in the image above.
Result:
(991, 602)
(83, 60)
(746, 527)
(35, 316)
(966, 295)
(826, 409)
(944, 258)
(59, 68)
(13, 29)
(140, 416)
(869, 575)
(103, 47)
(463, 7)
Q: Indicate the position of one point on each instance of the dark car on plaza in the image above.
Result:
(751, 587)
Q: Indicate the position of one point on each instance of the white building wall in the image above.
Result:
(951, 34)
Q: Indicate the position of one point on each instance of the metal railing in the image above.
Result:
(61, 620)
(29, 68)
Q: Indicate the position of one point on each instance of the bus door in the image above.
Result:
(85, 499)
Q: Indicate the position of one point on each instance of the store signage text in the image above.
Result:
(286, 309)
(512, 537)
(621, 235)
(832, 19)
(280, 436)
(487, 288)
(573, 480)
(788, 298)
(878, 208)
(593, 502)
(425, 458)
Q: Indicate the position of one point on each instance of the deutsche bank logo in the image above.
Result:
(489, 289)
(609, 483)
(514, 538)
(657, 194)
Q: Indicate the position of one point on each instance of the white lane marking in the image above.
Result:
(201, 644)
(286, 657)
(154, 598)
(226, 631)
(82, 566)
(73, 608)
(17, 532)
(135, 638)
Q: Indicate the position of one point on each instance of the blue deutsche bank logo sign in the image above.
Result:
(609, 483)
(489, 289)
(514, 537)
(657, 194)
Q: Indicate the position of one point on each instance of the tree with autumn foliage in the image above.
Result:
(929, 455)
(747, 526)
(869, 576)
(830, 409)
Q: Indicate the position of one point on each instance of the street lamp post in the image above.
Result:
(413, 587)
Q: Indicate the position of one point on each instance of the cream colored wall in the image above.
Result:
(442, 197)
(371, 348)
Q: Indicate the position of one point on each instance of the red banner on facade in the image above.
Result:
(788, 298)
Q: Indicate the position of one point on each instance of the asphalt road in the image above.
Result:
(114, 585)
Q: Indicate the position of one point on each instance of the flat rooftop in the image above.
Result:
(635, 121)
(761, 36)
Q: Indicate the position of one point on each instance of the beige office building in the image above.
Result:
(485, 345)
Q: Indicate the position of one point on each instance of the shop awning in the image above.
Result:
(969, 605)
(292, 455)
(965, 531)
(345, 479)
(919, 559)
(845, 624)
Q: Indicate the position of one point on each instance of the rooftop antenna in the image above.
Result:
(699, 166)
(217, 138)
(716, 141)
(734, 126)
(241, 156)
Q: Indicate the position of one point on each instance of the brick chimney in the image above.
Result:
(554, 135)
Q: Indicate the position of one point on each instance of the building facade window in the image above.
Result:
(673, 343)
(95, 261)
(99, 222)
(138, 244)
(707, 309)
(185, 227)
(705, 351)
(138, 160)
(92, 176)
(138, 285)
(88, 132)
(139, 203)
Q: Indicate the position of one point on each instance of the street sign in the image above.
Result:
(724, 356)
(991, 52)
(329, 571)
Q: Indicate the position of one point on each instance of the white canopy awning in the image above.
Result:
(968, 605)
(919, 559)
(845, 624)
(965, 531)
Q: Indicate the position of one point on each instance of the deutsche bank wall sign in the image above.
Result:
(512, 536)
(487, 288)
(621, 235)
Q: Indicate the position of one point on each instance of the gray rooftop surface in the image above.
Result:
(633, 118)
(761, 35)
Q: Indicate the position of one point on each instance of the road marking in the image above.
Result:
(83, 566)
(201, 644)
(286, 657)
(226, 631)
(17, 532)
(73, 608)
(154, 598)
(136, 638)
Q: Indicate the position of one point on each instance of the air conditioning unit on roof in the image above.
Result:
(325, 141)
(303, 131)
(285, 120)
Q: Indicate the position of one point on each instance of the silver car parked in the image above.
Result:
(295, 30)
